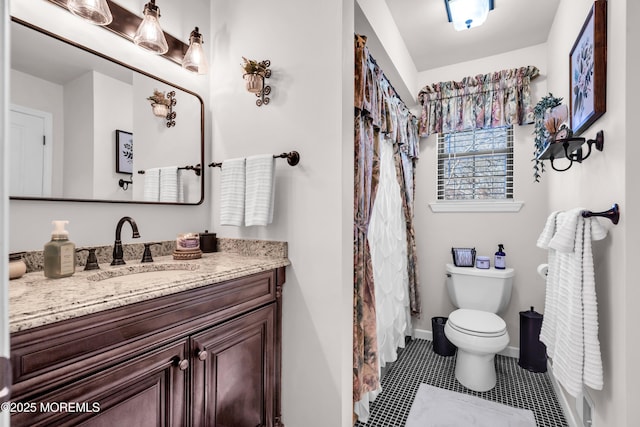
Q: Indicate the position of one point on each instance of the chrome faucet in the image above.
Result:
(117, 246)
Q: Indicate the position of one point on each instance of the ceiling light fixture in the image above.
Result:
(195, 60)
(467, 14)
(149, 34)
(95, 11)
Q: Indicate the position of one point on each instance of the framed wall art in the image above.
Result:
(588, 70)
(124, 152)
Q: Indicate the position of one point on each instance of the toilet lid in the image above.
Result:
(476, 322)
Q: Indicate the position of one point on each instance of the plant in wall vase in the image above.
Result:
(162, 106)
(159, 103)
(254, 73)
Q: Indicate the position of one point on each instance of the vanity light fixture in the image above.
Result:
(195, 60)
(149, 34)
(466, 14)
(95, 11)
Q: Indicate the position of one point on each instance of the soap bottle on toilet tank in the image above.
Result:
(500, 260)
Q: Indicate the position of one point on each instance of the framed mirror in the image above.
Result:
(83, 127)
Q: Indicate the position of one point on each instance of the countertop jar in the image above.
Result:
(17, 266)
(482, 262)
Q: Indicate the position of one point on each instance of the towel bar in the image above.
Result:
(197, 169)
(613, 214)
(293, 158)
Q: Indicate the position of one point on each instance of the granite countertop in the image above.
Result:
(35, 300)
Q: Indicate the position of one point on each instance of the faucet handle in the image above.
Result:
(92, 261)
(146, 256)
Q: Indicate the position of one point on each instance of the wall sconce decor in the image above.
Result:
(95, 11)
(146, 31)
(195, 59)
(466, 14)
(554, 139)
(254, 74)
(565, 145)
(162, 106)
(149, 34)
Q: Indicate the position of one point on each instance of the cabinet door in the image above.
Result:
(233, 372)
(148, 390)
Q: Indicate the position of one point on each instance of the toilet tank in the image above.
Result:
(480, 289)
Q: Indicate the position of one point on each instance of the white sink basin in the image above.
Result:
(141, 272)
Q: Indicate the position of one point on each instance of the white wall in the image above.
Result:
(310, 46)
(39, 94)
(94, 223)
(113, 109)
(437, 233)
(79, 130)
(600, 181)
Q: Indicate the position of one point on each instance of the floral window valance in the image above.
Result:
(484, 101)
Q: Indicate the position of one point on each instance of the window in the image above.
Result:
(476, 165)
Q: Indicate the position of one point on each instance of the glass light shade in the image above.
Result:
(195, 60)
(94, 11)
(149, 34)
(467, 14)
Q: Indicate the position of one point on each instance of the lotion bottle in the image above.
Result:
(59, 253)
(500, 260)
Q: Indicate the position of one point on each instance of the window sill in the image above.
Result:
(475, 206)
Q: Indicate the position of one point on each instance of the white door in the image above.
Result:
(29, 153)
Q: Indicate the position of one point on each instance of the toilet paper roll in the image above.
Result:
(542, 270)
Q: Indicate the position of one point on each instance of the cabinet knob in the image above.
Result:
(183, 364)
(202, 355)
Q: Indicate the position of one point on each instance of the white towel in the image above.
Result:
(232, 191)
(570, 323)
(259, 190)
(169, 188)
(151, 190)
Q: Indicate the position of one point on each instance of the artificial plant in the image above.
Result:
(540, 131)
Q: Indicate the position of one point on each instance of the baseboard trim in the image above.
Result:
(569, 414)
(424, 334)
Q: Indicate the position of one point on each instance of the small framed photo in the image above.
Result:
(588, 70)
(124, 152)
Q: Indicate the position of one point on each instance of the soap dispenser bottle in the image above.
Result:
(500, 260)
(59, 253)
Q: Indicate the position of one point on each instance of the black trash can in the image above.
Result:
(441, 345)
(533, 353)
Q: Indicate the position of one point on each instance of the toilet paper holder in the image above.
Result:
(543, 270)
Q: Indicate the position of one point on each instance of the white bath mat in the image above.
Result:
(437, 407)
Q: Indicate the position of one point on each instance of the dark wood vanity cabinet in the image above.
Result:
(204, 357)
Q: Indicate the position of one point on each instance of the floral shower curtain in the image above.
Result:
(484, 101)
(378, 111)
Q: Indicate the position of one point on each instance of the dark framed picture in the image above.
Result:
(124, 152)
(588, 70)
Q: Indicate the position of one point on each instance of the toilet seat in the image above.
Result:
(477, 323)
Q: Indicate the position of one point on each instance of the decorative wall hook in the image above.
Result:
(254, 74)
(171, 115)
(124, 184)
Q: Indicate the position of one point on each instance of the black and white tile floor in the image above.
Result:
(418, 363)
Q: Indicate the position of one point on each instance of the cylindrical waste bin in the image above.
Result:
(441, 345)
(533, 353)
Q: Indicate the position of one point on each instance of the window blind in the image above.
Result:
(476, 164)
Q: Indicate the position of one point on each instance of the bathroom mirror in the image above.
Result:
(82, 128)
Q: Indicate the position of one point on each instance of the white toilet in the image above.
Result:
(475, 328)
